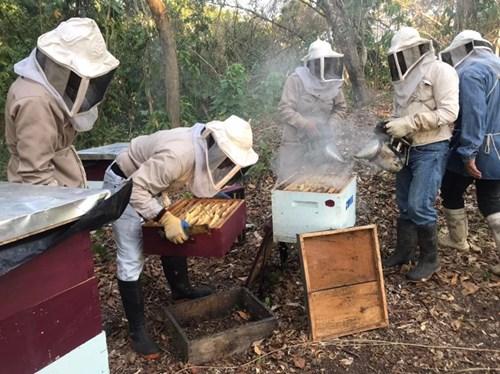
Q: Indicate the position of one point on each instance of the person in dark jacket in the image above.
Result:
(475, 146)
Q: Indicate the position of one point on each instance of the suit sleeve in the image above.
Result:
(36, 133)
(445, 90)
(473, 116)
(153, 177)
(288, 103)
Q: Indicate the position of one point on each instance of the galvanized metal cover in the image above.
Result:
(105, 152)
(26, 209)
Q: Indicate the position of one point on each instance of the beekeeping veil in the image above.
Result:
(409, 57)
(222, 149)
(322, 73)
(72, 62)
(463, 46)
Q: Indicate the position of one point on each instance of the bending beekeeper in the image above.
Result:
(475, 144)
(312, 103)
(56, 96)
(425, 105)
(203, 159)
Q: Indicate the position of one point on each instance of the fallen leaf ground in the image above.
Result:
(448, 324)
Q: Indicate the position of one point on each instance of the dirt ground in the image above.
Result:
(448, 324)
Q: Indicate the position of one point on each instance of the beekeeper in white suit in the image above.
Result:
(425, 106)
(312, 105)
(203, 159)
(56, 95)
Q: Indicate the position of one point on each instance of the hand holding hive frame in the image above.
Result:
(211, 212)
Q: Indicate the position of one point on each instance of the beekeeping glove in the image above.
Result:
(312, 130)
(173, 228)
(399, 127)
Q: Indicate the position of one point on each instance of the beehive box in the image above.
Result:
(226, 219)
(344, 281)
(258, 324)
(300, 207)
(50, 315)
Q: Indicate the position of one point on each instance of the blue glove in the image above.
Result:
(185, 226)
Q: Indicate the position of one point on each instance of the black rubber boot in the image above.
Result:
(176, 272)
(406, 245)
(133, 304)
(428, 261)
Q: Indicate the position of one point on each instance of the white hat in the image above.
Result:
(234, 138)
(320, 48)
(78, 45)
(406, 37)
(465, 37)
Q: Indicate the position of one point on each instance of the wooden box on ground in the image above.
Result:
(216, 243)
(259, 324)
(343, 281)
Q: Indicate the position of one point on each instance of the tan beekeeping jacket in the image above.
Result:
(39, 138)
(433, 108)
(297, 107)
(163, 161)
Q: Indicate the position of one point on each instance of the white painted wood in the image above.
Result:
(89, 358)
(302, 212)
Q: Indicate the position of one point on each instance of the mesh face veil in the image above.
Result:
(403, 61)
(221, 169)
(457, 55)
(327, 69)
(78, 93)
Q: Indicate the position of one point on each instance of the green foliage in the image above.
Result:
(231, 94)
(265, 151)
(230, 62)
(266, 94)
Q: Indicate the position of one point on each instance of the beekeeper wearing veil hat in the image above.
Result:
(201, 159)
(425, 106)
(312, 104)
(60, 85)
(475, 146)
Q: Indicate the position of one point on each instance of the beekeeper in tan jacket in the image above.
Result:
(56, 95)
(201, 159)
(425, 107)
(311, 107)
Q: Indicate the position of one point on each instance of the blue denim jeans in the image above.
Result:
(417, 184)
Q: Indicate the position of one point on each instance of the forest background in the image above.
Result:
(188, 61)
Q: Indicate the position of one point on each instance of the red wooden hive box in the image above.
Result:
(50, 305)
(216, 243)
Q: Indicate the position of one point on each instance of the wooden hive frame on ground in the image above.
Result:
(344, 281)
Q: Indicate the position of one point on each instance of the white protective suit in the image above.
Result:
(426, 101)
(163, 162)
(305, 98)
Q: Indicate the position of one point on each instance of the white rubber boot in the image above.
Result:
(458, 230)
(494, 223)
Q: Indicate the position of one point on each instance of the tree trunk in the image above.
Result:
(466, 15)
(345, 39)
(170, 66)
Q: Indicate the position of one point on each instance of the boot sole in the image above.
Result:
(422, 280)
(151, 356)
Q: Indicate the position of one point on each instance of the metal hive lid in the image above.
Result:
(27, 209)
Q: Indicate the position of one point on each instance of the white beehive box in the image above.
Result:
(297, 212)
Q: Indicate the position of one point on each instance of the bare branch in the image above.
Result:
(264, 18)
